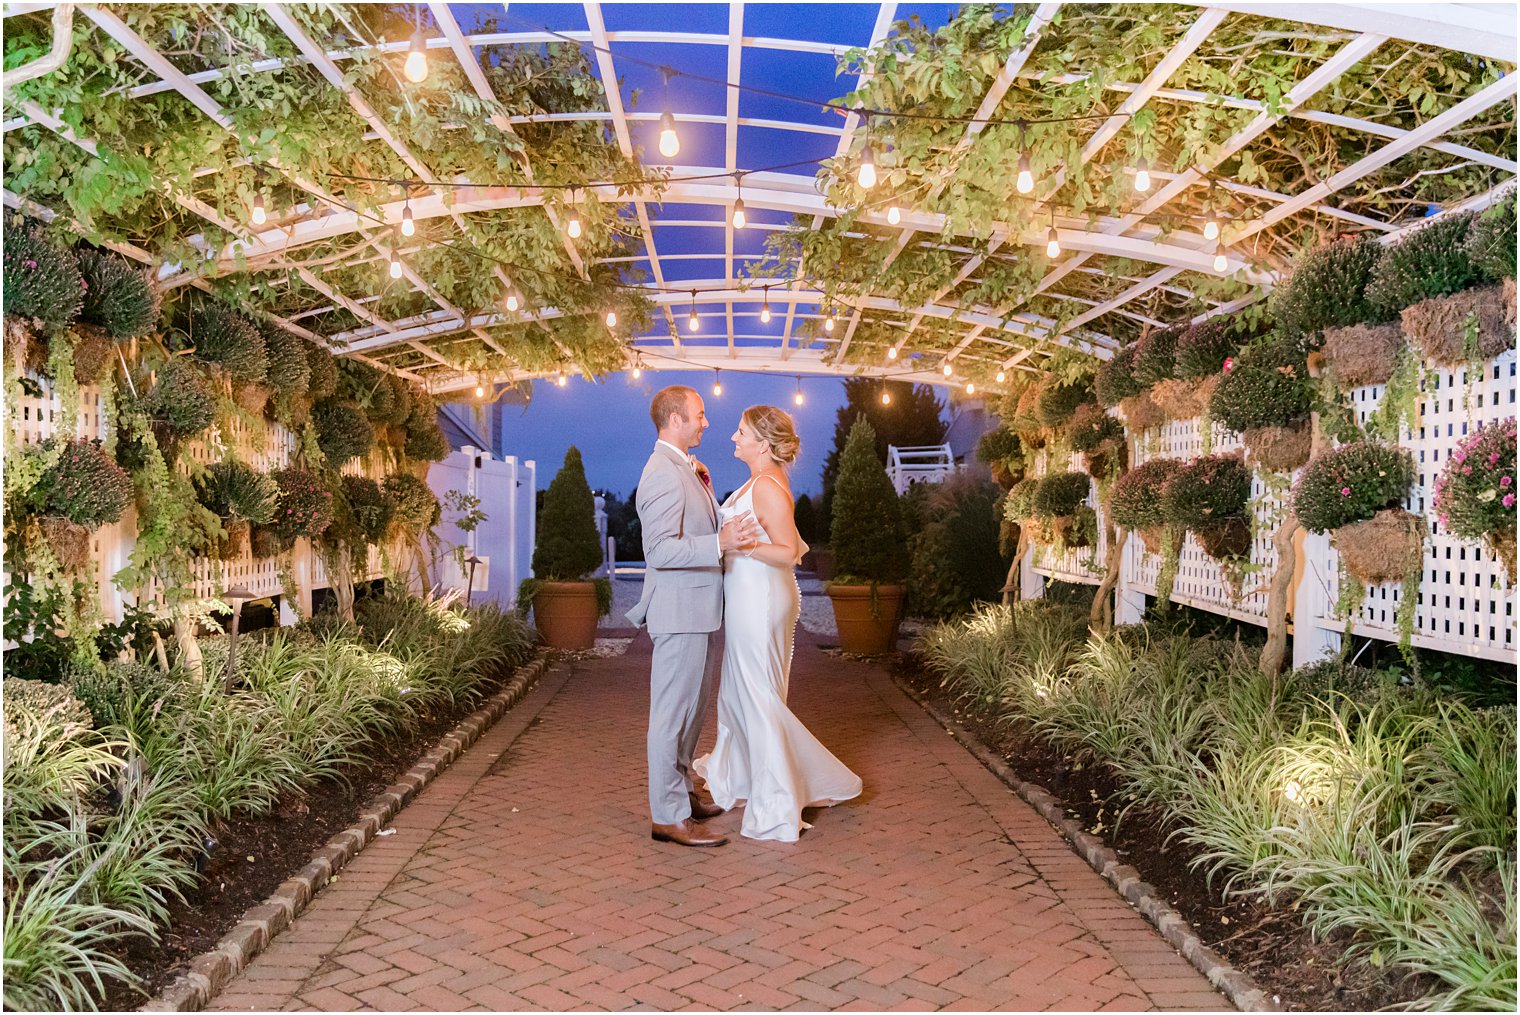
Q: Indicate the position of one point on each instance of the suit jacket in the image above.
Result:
(683, 577)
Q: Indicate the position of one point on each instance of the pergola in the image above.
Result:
(671, 235)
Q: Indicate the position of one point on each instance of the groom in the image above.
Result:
(683, 606)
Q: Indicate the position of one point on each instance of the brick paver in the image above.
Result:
(524, 878)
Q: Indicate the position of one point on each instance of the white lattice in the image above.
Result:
(1466, 604)
(1083, 565)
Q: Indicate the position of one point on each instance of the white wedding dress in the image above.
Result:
(764, 756)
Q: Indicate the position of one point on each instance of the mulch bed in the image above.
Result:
(254, 855)
(1271, 945)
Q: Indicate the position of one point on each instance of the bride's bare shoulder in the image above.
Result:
(775, 492)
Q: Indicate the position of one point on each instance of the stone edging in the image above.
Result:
(1242, 990)
(211, 971)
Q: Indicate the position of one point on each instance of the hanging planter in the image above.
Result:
(1099, 438)
(1057, 502)
(1452, 331)
(1136, 501)
(67, 540)
(1141, 413)
(1384, 548)
(1279, 448)
(1183, 399)
(1475, 495)
(1227, 540)
(1208, 497)
(1362, 354)
(1355, 492)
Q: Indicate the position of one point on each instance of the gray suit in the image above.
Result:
(682, 605)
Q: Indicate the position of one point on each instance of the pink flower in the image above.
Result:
(1345, 491)
(1493, 459)
(1509, 500)
(1506, 481)
(30, 263)
(1229, 363)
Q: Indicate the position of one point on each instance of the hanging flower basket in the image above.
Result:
(1502, 544)
(1279, 448)
(1141, 413)
(1384, 548)
(251, 397)
(264, 542)
(68, 541)
(1438, 326)
(1362, 353)
(1151, 537)
(231, 546)
(1177, 399)
(1229, 539)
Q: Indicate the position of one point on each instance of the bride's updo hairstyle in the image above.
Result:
(774, 427)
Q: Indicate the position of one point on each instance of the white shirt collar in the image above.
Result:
(672, 447)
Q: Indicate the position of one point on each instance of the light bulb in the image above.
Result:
(739, 218)
(512, 303)
(717, 387)
(670, 141)
(1211, 227)
(828, 322)
(797, 398)
(692, 324)
(573, 228)
(886, 398)
(894, 215)
(1052, 244)
(395, 265)
(947, 369)
(480, 391)
(259, 218)
(1001, 376)
(892, 352)
(612, 318)
(416, 61)
(765, 313)
(1221, 262)
(970, 388)
(866, 175)
(1025, 182)
(637, 373)
(562, 380)
(1143, 177)
(408, 227)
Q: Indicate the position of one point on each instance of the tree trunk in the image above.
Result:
(1274, 652)
(340, 576)
(1013, 587)
(189, 647)
(1101, 619)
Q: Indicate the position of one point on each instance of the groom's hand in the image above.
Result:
(737, 531)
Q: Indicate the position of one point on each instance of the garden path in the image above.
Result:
(524, 878)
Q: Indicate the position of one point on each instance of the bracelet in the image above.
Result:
(752, 549)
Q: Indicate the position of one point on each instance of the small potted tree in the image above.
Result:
(566, 603)
(870, 552)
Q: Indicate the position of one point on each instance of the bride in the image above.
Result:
(764, 755)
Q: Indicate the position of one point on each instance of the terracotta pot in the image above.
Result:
(823, 562)
(860, 631)
(1228, 540)
(1384, 548)
(1502, 543)
(565, 614)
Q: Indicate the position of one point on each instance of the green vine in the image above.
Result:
(60, 367)
(1472, 356)
(1400, 405)
(1404, 617)
(1171, 559)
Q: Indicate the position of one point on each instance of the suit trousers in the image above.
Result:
(681, 680)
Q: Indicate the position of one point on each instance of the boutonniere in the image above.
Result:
(702, 474)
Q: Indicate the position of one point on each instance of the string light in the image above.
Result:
(1221, 262)
(894, 214)
(892, 352)
(612, 318)
(408, 226)
(416, 67)
(1025, 182)
(562, 380)
(828, 322)
(886, 397)
(1142, 177)
(638, 367)
(1001, 376)
(765, 308)
(670, 141)
(947, 369)
(511, 302)
(395, 265)
(717, 382)
(797, 398)
(692, 324)
(866, 174)
(573, 227)
(480, 391)
(259, 217)
(1211, 227)
(739, 218)
(1052, 241)
(970, 388)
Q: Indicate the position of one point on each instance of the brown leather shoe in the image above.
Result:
(685, 834)
(702, 804)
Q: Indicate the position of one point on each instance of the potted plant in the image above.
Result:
(1475, 493)
(1265, 396)
(1099, 438)
(1060, 505)
(43, 289)
(870, 550)
(1356, 493)
(1136, 502)
(241, 497)
(1207, 496)
(566, 603)
(77, 490)
(1002, 452)
(303, 508)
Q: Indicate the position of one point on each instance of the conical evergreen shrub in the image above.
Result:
(569, 546)
(867, 529)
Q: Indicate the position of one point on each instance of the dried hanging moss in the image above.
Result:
(1439, 327)
(1278, 448)
(1362, 353)
(1384, 548)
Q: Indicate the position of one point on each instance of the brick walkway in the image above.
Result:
(524, 878)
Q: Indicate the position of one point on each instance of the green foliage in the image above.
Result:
(1206, 491)
(425, 440)
(998, 445)
(225, 338)
(805, 517)
(1091, 429)
(1203, 348)
(867, 528)
(234, 490)
(322, 372)
(569, 546)
(1267, 386)
(1060, 398)
(82, 483)
(365, 509)
(1060, 494)
(1156, 356)
(304, 507)
(1475, 493)
(289, 369)
(956, 560)
(1116, 379)
(1431, 261)
(1019, 506)
(1137, 500)
(117, 295)
(912, 420)
(41, 279)
(1328, 288)
(54, 702)
(416, 507)
(180, 404)
(1351, 483)
(343, 431)
(1491, 241)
